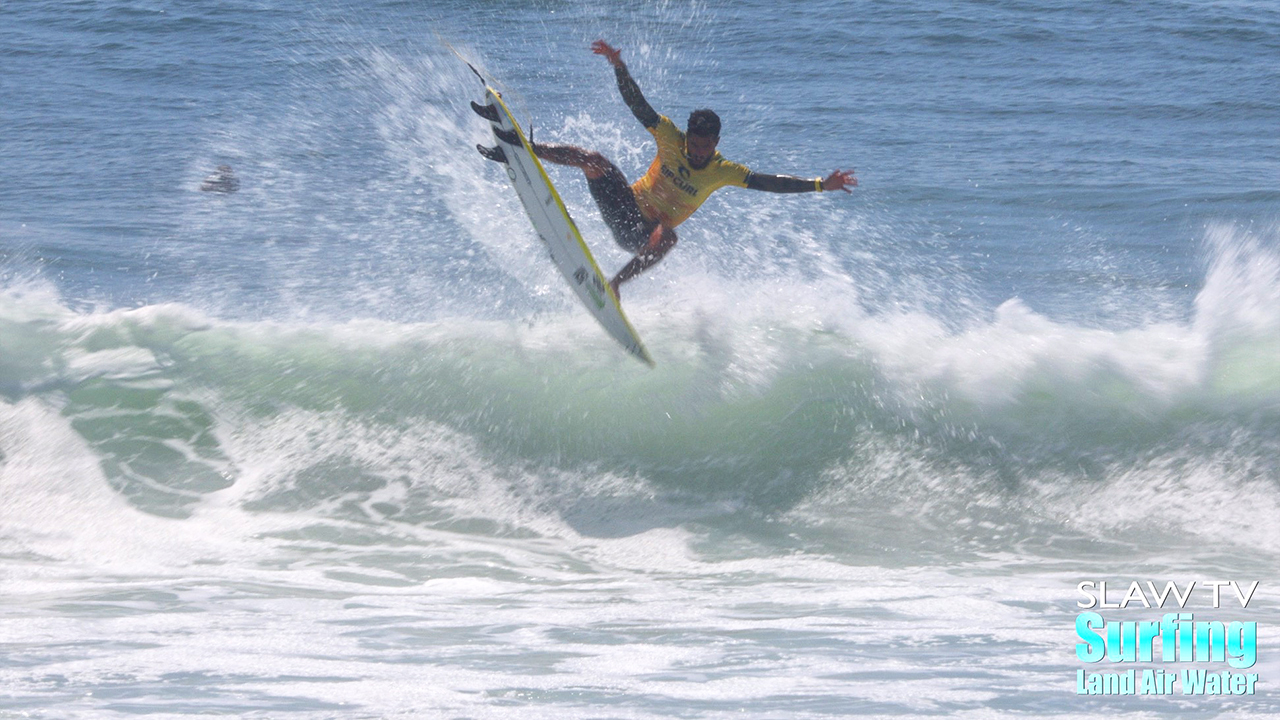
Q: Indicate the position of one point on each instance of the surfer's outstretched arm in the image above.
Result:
(631, 94)
(838, 180)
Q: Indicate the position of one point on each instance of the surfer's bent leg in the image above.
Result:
(620, 211)
(649, 240)
(590, 162)
(661, 240)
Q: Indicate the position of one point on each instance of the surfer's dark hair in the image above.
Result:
(705, 123)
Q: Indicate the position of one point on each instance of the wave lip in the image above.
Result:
(763, 401)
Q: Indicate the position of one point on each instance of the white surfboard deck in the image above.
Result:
(560, 235)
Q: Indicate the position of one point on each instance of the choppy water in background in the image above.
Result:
(341, 445)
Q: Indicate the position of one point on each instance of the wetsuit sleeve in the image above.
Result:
(781, 183)
(632, 96)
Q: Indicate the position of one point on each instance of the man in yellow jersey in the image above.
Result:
(643, 216)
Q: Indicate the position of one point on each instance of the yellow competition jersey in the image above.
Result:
(671, 190)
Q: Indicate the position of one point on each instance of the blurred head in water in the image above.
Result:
(222, 180)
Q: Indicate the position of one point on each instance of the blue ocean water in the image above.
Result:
(341, 444)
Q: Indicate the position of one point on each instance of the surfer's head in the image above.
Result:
(701, 137)
(224, 180)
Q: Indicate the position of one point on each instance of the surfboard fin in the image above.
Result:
(494, 153)
(507, 136)
(488, 112)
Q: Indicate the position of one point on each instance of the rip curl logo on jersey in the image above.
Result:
(679, 182)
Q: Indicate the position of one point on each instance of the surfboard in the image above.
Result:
(553, 225)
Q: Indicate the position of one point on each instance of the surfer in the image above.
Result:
(643, 215)
(223, 181)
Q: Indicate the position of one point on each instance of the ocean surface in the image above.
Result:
(342, 444)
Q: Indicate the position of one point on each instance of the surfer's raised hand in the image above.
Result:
(612, 54)
(840, 180)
